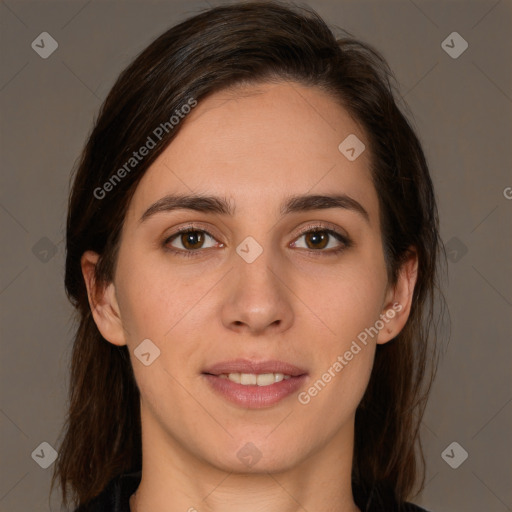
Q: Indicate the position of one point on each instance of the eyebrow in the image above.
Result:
(221, 205)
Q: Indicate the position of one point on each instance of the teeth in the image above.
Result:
(251, 379)
(247, 378)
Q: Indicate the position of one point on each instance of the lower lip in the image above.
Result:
(255, 397)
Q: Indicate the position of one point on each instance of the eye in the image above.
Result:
(189, 240)
(319, 238)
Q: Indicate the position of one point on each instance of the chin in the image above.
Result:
(257, 454)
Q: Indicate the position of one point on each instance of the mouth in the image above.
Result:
(252, 384)
(253, 379)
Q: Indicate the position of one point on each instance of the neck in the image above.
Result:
(176, 480)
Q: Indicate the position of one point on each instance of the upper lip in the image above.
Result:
(256, 367)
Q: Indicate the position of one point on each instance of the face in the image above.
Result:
(291, 294)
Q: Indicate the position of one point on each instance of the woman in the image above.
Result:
(252, 249)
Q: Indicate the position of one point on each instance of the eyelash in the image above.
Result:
(346, 242)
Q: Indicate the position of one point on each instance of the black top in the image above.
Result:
(115, 498)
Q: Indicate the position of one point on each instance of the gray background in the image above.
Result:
(462, 111)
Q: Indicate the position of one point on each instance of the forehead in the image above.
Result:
(258, 144)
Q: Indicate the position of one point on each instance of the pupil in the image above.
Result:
(319, 236)
(191, 238)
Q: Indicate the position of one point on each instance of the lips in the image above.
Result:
(249, 383)
(257, 368)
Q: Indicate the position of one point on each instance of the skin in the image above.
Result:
(255, 145)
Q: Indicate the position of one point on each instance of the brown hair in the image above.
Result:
(222, 47)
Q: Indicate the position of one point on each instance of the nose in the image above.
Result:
(258, 300)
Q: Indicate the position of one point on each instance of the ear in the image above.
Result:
(398, 300)
(103, 302)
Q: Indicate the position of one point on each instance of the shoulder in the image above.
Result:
(116, 495)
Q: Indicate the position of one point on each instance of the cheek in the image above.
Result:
(167, 309)
(330, 400)
(349, 304)
(348, 300)
(150, 299)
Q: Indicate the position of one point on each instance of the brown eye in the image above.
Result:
(192, 239)
(188, 240)
(318, 239)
